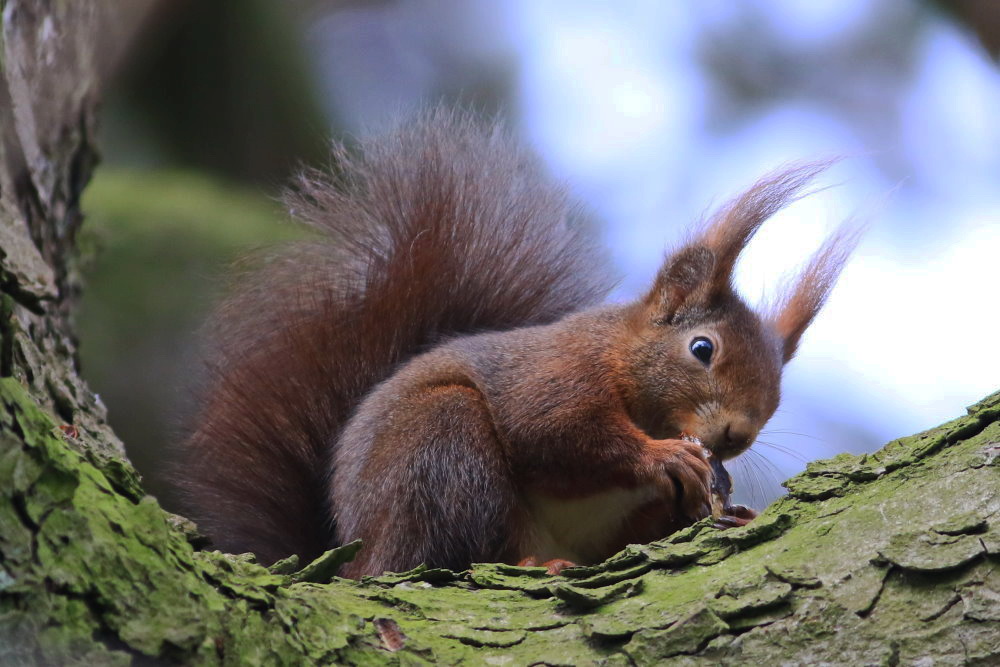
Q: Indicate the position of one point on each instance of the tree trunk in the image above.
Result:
(886, 558)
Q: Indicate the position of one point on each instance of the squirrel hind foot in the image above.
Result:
(553, 567)
(735, 516)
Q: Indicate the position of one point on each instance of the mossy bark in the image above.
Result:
(880, 559)
(887, 558)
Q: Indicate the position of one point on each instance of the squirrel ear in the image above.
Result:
(703, 268)
(681, 280)
(731, 228)
(799, 305)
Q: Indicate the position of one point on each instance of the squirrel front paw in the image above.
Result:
(683, 472)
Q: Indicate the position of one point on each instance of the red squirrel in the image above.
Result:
(434, 373)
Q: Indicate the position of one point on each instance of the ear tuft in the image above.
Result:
(799, 305)
(731, 228)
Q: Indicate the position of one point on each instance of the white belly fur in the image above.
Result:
(579, 529)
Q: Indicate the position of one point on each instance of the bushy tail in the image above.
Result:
(442, 227)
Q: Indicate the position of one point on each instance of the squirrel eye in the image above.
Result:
(702, 349)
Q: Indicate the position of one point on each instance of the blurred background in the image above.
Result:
(651, 112)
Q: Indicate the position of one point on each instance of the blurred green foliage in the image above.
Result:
(218, 85)
(155, 248)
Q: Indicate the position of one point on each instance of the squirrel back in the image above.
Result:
(440, 228)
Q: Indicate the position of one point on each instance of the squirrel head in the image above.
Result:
(701, 362)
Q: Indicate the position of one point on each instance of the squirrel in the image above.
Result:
(435, 373)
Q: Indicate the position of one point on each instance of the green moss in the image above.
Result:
(686, 636)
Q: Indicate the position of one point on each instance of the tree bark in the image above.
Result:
(886, 558)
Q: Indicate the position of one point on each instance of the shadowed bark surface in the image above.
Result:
(885, 558)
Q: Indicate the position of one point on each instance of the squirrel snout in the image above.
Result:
(738, 438)
(730, 438)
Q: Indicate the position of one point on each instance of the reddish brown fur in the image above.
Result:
(442, 229)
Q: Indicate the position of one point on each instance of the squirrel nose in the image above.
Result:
(730, 439)
(737, 438)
